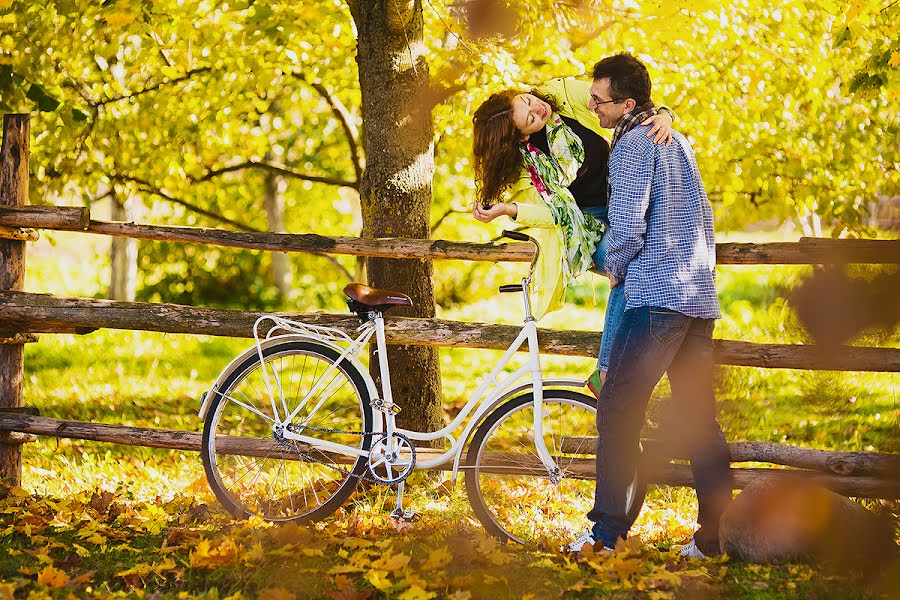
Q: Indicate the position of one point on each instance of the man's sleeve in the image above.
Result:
(631, 178)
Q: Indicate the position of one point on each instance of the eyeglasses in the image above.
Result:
(598, 101)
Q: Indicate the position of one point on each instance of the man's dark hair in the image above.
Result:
(628, 77)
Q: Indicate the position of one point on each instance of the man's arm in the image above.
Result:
(631, 177)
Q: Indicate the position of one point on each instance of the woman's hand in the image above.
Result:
(662, 127)
(486, 215)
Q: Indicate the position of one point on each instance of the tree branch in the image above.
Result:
(447, 213)
(334, 261)
(151, 88)
(343, 116)
(281, 170)
(145, 186)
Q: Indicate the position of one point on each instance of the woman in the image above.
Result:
(545, 150)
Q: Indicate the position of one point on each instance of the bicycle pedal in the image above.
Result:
(408, 516)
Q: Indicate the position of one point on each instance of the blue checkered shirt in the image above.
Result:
(661, 239)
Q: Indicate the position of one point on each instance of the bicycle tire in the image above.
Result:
(530, 508)
(288, 482)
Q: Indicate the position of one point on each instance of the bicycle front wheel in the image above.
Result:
(508, 486)
(251, 468)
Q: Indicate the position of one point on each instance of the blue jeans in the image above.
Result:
(652, 341)
(615, 304)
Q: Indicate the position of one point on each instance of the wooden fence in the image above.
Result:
(22, 315)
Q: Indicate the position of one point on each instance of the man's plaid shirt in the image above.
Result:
(661, 240)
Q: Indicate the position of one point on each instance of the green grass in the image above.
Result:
(155, 380)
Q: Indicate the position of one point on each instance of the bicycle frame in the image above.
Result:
(478, 405)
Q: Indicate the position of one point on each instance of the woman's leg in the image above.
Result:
(615, 308)
(599, 213)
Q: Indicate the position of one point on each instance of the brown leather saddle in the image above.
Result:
(375, 298)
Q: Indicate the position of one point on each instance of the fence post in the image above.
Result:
(14, 155)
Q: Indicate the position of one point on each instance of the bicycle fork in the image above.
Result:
(537, 378)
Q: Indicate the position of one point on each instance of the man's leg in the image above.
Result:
(646, 342)
(693, 399)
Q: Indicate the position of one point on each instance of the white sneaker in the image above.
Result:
(690, 550)
(585, 539)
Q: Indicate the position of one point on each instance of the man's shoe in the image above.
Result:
(585, 539)
(690, 550)
(594, 384)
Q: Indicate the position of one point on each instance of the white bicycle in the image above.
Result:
(292, 425)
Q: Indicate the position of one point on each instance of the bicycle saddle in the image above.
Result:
(373, 297)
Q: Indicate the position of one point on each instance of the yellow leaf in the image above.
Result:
(437, 559)
(276, 593)
(119, 19)
(391, 562)
(379, 580)
(5, 4)
(53, 577)
(97, 539)
(144, 569)
(416, 593)
(255, 553)
(895, 59)
(204, 556)
(7, 589)
(141, 570)
(460, 595)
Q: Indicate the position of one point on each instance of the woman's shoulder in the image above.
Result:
(573, 96)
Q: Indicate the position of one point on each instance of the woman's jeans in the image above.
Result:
(615, 305)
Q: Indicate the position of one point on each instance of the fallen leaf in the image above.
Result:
(205, 556)
(437, 559)
(416, 593)
(7, 590)
(83, 578)
(344, 590)
(391, 563)
(52, 577)
(379, 580)
(276, 593)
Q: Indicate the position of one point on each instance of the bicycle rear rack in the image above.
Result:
(282, 326)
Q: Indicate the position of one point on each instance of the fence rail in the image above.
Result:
(857, 479)
(41, 313)
(806, 251)
(24, 314)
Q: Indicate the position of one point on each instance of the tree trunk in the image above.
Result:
(281, 263)
(14, 156)
(395, 193)
(123, 277)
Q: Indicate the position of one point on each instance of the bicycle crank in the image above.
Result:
(391, 459)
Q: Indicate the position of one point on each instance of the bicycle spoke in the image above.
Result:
(293, 480)
(508, 486)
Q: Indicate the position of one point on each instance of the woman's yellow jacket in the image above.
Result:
(547, 286)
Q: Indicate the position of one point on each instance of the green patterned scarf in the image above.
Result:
(551, 175)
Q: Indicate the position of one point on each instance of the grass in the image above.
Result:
(118, 521)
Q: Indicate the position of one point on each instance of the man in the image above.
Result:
(661, 249)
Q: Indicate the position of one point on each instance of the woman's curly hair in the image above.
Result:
(495, 144)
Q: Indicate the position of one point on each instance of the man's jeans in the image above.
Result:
(649, 342)
(615, 304)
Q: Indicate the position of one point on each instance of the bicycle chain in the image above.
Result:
(364, 476)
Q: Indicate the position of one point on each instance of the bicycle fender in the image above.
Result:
(252, 350)
(559, 383)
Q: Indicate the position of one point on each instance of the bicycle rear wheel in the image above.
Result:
(251, 469)
(508, 486)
